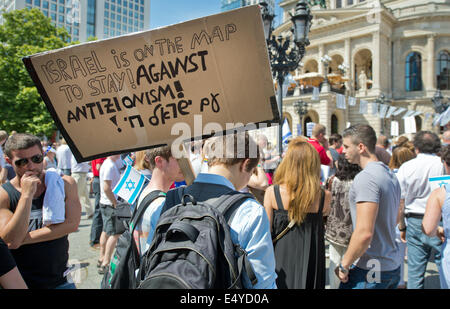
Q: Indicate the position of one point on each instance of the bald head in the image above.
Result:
(446, 137)
(383, 141)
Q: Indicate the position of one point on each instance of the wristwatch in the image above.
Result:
(401, 229)
(342, 269)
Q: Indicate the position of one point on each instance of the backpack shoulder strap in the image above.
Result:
(173, 198)
(139, 211)
(228, 203)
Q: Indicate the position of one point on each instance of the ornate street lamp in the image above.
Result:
(301, 107)
(343, 68)
(438, 101)
(285, 53)
(326, 62)
(382, 100)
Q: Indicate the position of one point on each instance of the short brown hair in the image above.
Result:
(318, 128)
(151, 154)
(20, 141)
(445, 154)
(362, 133)
(232, 149)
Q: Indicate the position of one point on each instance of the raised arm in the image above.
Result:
(72, 217)
(14, 226)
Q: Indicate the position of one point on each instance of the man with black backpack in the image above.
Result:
(126, 261)
(202, 228)
(165, 171)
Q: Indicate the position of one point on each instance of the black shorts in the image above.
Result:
(111, 225)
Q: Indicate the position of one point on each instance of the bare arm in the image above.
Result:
(3, 175)
(366, 214)
(107, 188)
(14, 226)
(430, 222)
(268, 206)
(12, 280)
(327, 203)
(72, 218)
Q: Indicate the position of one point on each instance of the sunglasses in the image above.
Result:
(35, 159)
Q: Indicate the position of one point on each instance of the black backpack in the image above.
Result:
(192, 247)
(126, 259)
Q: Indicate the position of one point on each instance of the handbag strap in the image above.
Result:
(290, 225)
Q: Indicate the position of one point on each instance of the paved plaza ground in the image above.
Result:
(85, 258)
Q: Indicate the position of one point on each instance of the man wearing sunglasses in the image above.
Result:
(41, 252)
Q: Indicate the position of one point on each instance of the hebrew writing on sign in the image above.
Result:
(127, 93)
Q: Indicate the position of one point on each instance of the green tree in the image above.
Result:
(24, 33)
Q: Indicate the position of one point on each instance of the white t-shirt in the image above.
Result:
(83, 167)
(108, 171)
(413, 178)
(143, 227)
(64, 157)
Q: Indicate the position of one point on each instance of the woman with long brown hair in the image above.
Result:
(295, 205)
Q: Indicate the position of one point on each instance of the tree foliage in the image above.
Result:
(24, 33)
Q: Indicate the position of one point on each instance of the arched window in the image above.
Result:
(418, 123)
(334, 124)
(413, 72)
(443, 70)
(305, 122)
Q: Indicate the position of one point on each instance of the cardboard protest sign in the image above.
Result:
(127, 93)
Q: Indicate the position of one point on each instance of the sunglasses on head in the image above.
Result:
(35, 159)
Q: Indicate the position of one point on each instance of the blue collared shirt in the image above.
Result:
(250, 228)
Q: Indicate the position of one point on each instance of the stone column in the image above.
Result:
(397, 80)
(430, 68)
(376, 61)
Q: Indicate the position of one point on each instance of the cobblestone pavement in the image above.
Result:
(84, 259)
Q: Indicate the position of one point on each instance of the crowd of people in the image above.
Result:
(375, 207)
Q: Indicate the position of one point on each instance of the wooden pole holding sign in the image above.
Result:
(186, 166)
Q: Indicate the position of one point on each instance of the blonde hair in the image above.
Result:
(141, 163)
(299, 171)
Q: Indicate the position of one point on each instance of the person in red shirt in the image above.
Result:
(320, 142)
(97, 222)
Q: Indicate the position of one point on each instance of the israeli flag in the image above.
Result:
(128, 160)
(286, 131)
(130, 185)
(438, 182)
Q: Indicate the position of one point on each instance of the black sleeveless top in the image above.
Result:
(300, 253)
(42, 265)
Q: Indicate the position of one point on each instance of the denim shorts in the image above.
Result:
(359, 278)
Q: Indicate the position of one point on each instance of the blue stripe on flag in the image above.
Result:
(137, 190)
(122, 180)
(439, 178)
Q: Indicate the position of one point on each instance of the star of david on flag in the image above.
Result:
(130, 185)
(440, 181)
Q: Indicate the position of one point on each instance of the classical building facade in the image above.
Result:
(399, 49)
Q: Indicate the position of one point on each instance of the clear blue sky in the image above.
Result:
(169, 12)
